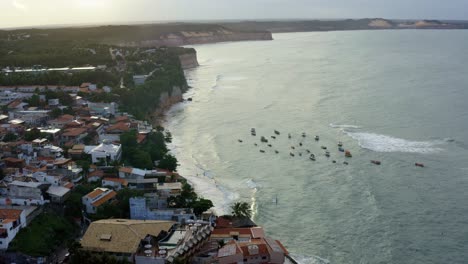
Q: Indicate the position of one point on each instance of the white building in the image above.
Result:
(11, 221)
(106, 152)
(147, 180)
(42, 177)
(58, 194)
(25, 193)
(139, 79)
(96, 198)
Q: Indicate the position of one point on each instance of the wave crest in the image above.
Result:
(343, 126)
(384, 143)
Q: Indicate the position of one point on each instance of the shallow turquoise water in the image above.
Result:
(394, 96)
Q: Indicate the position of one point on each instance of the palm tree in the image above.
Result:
(241, 209)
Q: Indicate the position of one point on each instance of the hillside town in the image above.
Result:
(83, 180)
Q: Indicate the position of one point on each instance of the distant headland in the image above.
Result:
(180, 34)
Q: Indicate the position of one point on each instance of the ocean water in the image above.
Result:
(399, 97)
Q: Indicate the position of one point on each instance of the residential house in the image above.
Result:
(25, 193)
(255, 251)
(95, 175)
(112, 133)
(73, 135)
(76, 151)
(147, 180)
(60, 121)
(58, 194)
(143, 208)
(105, 152)
(11, 221)
(44, 177)
(32, 117)
(102, 109)
(115, 183)
(139, 79)
(135, 240)
(17, 104)
(168, 189)
(107, 89)
(96, 198)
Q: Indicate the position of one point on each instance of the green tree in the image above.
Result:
(56, 112)
(141, 159)
(201, 205)
(34, 101)
(123, 196)
(32, 134)
(9, 137)
(168, 162)
(241, 209)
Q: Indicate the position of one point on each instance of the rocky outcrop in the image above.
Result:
(188, 60)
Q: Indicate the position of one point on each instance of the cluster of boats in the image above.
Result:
(312, 156)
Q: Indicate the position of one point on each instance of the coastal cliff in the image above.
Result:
(183, 38)
(166, 100)
(188, 60)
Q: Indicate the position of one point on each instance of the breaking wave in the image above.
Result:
(384, 143)
(343, 126)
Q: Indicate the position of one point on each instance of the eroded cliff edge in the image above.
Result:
(182, 38)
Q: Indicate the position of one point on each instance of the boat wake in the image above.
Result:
(384, 143)
(343, 126)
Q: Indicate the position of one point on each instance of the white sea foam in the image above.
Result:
(384, 143)
(301, 259)
(203, 180)
(343, 126)
(251, 184)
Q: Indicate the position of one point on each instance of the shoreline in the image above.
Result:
(204, 185)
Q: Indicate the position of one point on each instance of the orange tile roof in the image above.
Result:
(73, 132)
(9, 215)
(121, 118)
(69, 185)
(96, 173)
(121, 181)
(126, 169)
(227, 231)
(94, 193)
(14, 104)
(262, 249)
(13, 160)
(105, 198)
(119, 126)
(64, 118)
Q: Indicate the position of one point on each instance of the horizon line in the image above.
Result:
(149, 22)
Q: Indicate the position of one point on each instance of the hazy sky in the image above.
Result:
(18, 13)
